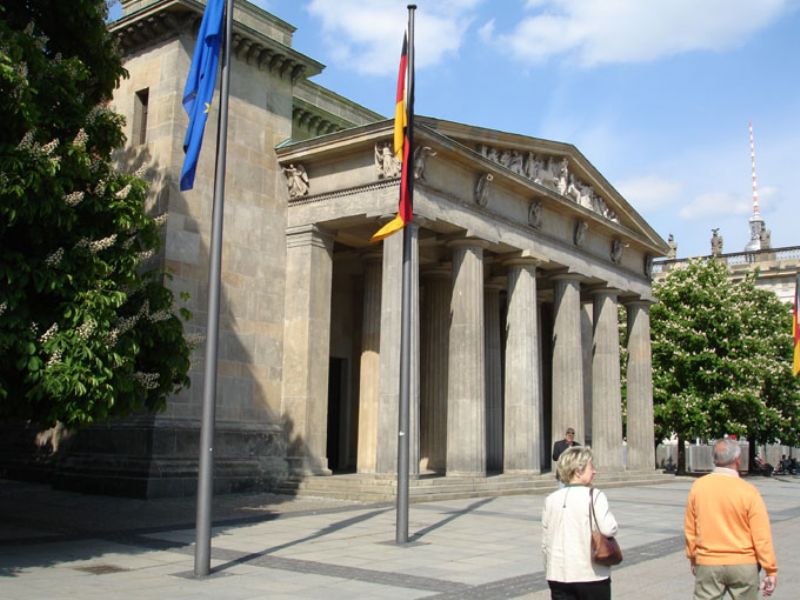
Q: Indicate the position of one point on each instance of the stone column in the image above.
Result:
(494, 374)
(435, 314)
(391, 307)
(567, 358)
(466, 376)
(369, 384)
(606, 397)
(641, 438)
(523, 382)
(587, 343)
(306, 347)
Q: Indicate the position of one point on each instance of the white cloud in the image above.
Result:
(366, 36)
(486, 31)
(650, 191)
(768, 196)
(594, 32)
(713, 204)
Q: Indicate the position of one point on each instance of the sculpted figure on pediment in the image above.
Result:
(562, 174)
(587, 198)
(574, 189)
(516, 163)
(505, 157)
(386, 162)
(531, 166)
(420, 156)
(610, 215)
(554, 174)
(296, 180)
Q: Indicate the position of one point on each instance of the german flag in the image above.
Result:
(796, 327)
(403, 115)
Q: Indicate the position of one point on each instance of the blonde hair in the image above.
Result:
(573, 461)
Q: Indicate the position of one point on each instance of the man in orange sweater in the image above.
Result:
(727, 532)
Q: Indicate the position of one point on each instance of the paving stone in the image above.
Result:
(463, 549)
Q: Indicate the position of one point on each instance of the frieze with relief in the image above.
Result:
(551, 172)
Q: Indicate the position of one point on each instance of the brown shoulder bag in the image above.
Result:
(605, 550)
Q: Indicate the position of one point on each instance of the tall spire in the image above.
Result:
(759, 234)
(756, 210)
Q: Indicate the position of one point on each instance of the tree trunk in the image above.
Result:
(751, 454)
(681, 457)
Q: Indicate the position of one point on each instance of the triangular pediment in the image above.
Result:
(558, 167)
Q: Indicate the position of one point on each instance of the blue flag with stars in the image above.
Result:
(199, 90)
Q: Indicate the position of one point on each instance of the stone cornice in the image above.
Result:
(335, 104)
(316, 120)
(164, 19)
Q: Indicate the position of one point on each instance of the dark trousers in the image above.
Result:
(580, 590)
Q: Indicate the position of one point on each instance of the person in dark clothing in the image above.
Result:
(561, 445)
(567, 442)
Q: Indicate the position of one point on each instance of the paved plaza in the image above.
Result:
(61, 545)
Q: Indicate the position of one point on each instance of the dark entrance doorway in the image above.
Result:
(337, 415)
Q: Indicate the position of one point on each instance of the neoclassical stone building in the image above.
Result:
(523, 254)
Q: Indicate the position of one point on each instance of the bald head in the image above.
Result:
(726, 452)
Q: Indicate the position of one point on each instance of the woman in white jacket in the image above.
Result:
(566, 541)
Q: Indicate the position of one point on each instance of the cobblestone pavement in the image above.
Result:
(57, 545)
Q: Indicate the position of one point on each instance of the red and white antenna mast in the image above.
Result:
(759, 234)
(756, 209)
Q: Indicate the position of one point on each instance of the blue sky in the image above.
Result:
(657, 94)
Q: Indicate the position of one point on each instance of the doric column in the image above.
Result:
(606, 397)
(523, 382)
(369, 384)
(587, 343)
(466, 376)
(306, 346)
(435, 328)
(567, 358)
(641, 438)
(494, 373)
(391, 308)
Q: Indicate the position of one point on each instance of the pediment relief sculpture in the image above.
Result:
(296, 181)
(551, 172)
(386, 163)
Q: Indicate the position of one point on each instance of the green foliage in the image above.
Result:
(86, 324)
(721, 358)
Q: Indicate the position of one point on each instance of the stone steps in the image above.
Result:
(369, 488)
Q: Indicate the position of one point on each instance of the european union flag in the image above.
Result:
(199, 90)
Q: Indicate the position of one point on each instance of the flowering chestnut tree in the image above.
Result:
(721, 359)
(88, 329)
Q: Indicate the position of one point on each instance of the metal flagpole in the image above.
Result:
(401, 530)
(205, 480)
